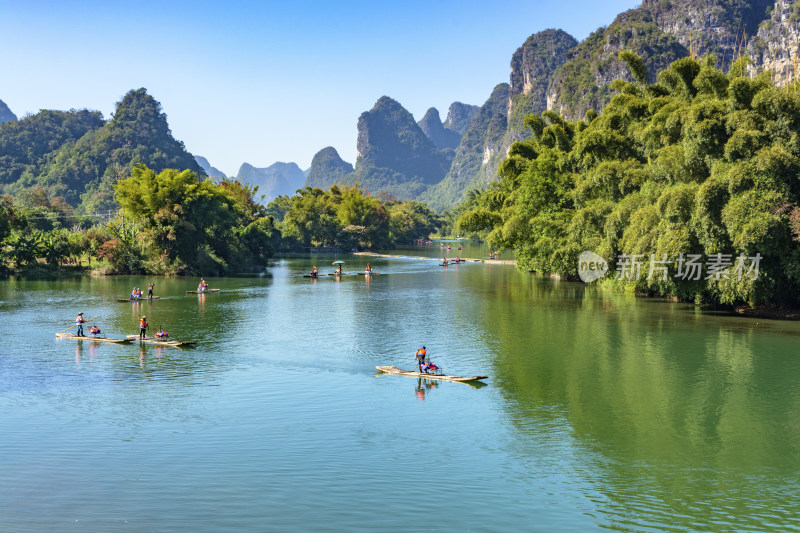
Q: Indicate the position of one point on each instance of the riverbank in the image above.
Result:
(423, 258)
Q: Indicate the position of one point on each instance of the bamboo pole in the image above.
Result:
(72, 326)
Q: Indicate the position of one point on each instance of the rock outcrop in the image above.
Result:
(776, 47)
(716, 27)
(327, 169)
(535, 61)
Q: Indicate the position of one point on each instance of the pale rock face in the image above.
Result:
(487, 154)
(776, 47)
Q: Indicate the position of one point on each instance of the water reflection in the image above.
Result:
(649, 389)
(423, 387)
(201, 303)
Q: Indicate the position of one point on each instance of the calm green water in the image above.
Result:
(602, 411)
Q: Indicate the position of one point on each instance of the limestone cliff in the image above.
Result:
(535, 61)
(582, 83)
(481, 146)
(717, 27)
(394, 155)
(776, 47)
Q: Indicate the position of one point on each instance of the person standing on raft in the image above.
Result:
(143, 327)
(420, 357)
(79, 320)
(150, 291)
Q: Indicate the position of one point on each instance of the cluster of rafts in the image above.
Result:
(161, 341)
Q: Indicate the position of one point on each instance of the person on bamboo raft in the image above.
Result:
(79, 320)
(339, 270)
(314, 271)
(203, 285)
(429, 367)
(94, 330)
(161, 334)
(150, 290)
(368, 270)
(143, 327)
(420, 357)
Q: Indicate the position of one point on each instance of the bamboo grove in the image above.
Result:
(698, 162)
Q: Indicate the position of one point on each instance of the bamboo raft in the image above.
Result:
(411, 373)
(153, 340)
(203, 292)
(138, 299)
(91, 338)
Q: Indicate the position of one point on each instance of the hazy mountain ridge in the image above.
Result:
(5, 113)
(206, 166)
(477, 148)
(272, 181)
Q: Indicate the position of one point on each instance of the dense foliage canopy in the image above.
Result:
(188, 224)
(699, 163)
(347, 218)
(170, 222)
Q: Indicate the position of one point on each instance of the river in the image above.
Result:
(602, 411)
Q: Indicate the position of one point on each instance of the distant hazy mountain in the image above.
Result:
(211, 171)
(5, 113)
(327, 168)
(273, 181)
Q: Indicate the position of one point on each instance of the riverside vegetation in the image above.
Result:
(174, 222)
(699, 162)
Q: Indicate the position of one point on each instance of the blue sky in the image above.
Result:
(261, 82)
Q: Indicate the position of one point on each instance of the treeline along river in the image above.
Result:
(601, 411)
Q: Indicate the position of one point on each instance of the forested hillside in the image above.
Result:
(78, 156)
